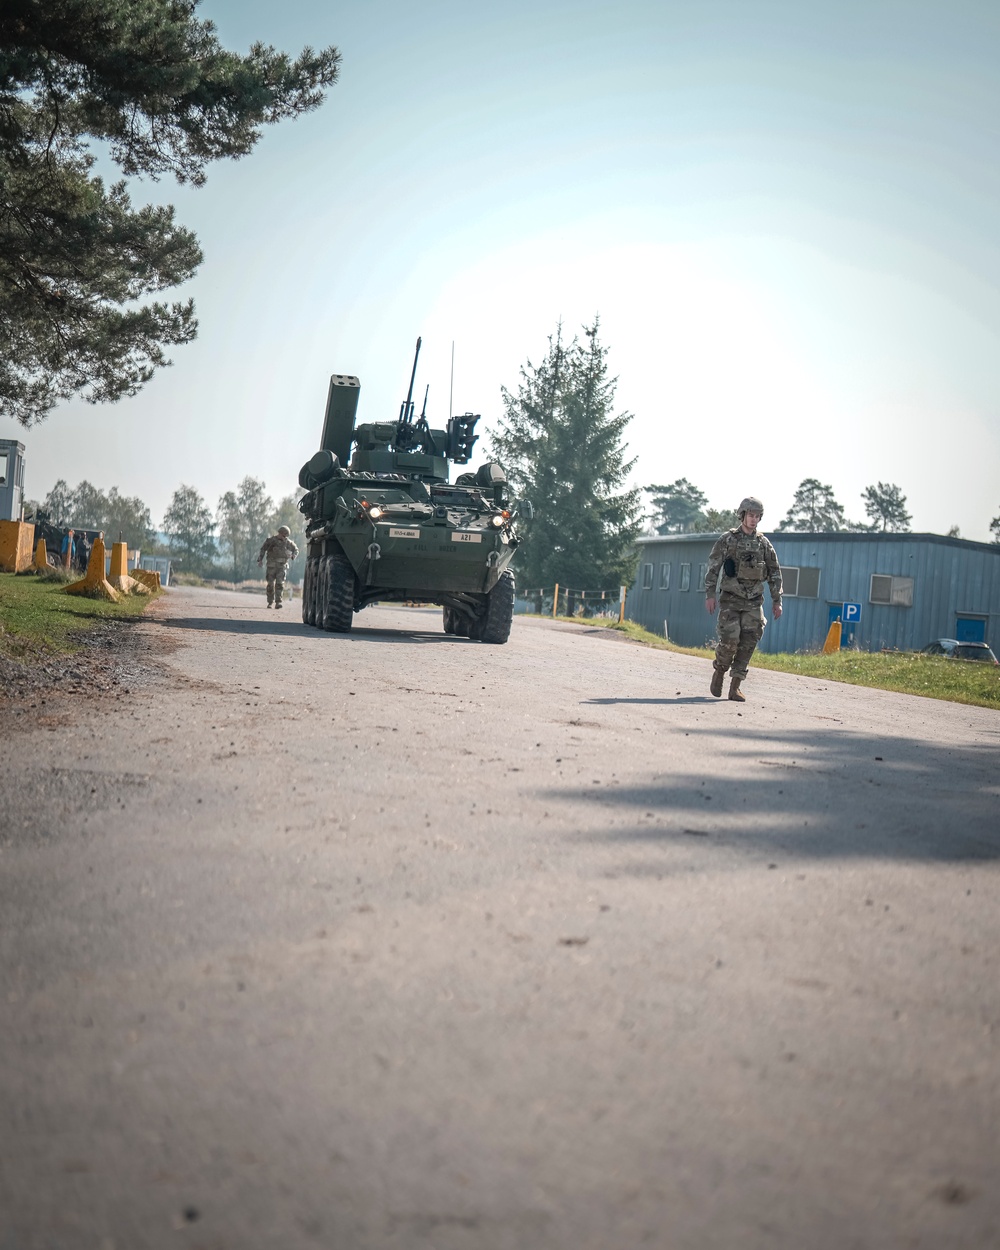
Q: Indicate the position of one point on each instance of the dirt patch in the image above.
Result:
(115, 657)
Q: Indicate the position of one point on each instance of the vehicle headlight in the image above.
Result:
(496, 521)
(375, 512)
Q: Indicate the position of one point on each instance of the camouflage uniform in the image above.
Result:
(745, 561)
(279, 551)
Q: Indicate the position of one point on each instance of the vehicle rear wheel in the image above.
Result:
(499, 610)
(337, 584)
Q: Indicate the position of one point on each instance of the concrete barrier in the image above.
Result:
(16, 542)
(94, 584)
(148, 577)
(832, 644)
(119, 577)
(41, 555)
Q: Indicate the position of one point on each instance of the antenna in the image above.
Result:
(451, 384)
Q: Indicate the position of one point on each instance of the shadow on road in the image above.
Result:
(821, 795)
(691, 698)
(275, 626)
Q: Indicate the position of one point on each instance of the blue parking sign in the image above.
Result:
(850, 613)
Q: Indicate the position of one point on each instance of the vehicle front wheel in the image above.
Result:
(309, 593)
(499, 610)
(335, 604)
(449, 620)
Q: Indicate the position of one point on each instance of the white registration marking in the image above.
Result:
(400, 533)
(466, 536)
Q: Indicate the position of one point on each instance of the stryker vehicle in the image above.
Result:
(389, 526)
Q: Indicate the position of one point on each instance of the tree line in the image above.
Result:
(681, 507)
(221, 544)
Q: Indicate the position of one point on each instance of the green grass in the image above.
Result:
(933, 676)
(40, 619)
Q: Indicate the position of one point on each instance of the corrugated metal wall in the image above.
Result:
(951, 577)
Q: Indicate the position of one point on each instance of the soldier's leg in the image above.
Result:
(270, 586)
(279, 585)
(729, 638)
(751, 630)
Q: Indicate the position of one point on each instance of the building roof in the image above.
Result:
(826, 536)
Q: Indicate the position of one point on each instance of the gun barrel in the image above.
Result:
(406, 413)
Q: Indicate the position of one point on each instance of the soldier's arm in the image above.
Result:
(773, 577)
(715, 559)
(295, 550)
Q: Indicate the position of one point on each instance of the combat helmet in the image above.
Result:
(284, 531)
(750, 504)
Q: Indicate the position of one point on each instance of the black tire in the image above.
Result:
(337, 603)
(476, 627)
(308, 593)
(461, 625)
(449, 620)
(314, 593)
(499, 610)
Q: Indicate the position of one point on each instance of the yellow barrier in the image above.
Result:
(832, 643)
(94, 584)
(119, 575)
(16, 542)
(41, 555)
(148, 577)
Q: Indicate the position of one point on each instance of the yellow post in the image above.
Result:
(621, 607)
(119, 575)
(555, 601)
(832, 643)
(41, 555)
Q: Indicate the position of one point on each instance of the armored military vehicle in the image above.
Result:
(385, 524)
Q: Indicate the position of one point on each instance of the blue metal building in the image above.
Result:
(906, 590)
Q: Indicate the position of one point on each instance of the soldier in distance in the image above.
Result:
(746, 560)
(279, 551)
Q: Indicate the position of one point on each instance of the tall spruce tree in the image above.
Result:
(560, 441)
(151, 84)
(814, 509)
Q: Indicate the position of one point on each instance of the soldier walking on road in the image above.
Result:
(746, 560)
(279, 551)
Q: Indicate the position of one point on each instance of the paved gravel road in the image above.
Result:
(398, 940)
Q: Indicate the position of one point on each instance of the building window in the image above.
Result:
(801, 583)
(665, 576)
(702, 572)
(808, 583)
(685, 577)
(647, 577)
(897, 591)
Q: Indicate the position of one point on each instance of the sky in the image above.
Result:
(785, 215)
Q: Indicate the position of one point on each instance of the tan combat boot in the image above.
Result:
(717, 679)
(734, 691)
